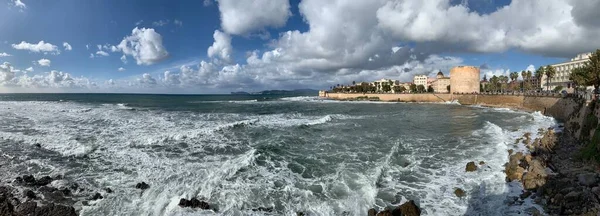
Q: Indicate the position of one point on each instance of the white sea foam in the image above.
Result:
(237, 174)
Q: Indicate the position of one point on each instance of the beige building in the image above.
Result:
(563, 71)
(440, 85)
(464, 79)
(420, 80)
(383, 82)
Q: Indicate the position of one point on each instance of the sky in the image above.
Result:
(219, 46)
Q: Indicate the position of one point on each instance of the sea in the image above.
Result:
(264, 154)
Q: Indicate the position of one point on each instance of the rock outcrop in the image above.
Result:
(471, 167)
(193, 203)
(535, 176)
(142, 186)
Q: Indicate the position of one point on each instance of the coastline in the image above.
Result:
(550, 171)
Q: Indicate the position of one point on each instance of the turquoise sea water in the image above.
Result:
(241, 152)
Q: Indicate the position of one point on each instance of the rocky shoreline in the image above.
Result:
(553, 177)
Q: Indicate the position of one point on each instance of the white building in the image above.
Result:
(420, 80)
(563, 71)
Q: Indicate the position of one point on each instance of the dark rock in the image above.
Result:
(459, 192)
(97, 196)
(29, 194)
(55, 210)
(409, 209)
(386, 212)
(66, 191)
(557, 199)
(481, 163)
(6, 208)
(26, 208)
(510, 151)
(533, 211)
(525, 194)
(263, 209)
(587, 179)
(108, 190)
(195, 203)
(44, 181)
(372, 212)
(37, 145)
(19, 179)
(29, 179)
(74, 186)
(471, 167)
(596, 190)
(300, 214)
(572, 196)
(142, 185)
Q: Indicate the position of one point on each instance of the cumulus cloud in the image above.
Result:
(124, 59)
(243, 17)
(544, 27)
(29, 69)
(7, 73)
(221, 48)
(39, 47)
(144, 45)
(44, 62)
(147, 80)
(121, 69)
(3, 54)
(101, 53)
(19, 4)
(67, 46)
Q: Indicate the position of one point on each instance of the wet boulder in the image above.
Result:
(44, 181)
(471, 167)
(29, 179)
(26, 208)
(97, 196)
(193, 203)
(108, 190)
(459, 192)
(409, 209)
(263, 209)
(29, 194)
(55, 210)
(372, 212)
(142, 186)
(513, 169)
(6, 208)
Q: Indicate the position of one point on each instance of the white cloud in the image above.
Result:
(207, 3)
(243, 17)
(139, 22)
(121, 69)
(44, 62)
(67, 46)
(544, 27)
(92, 55)
(144, 45)
(221, 48)
(147, 80)
(101, 53)
(124, 59)
(178, 23)
(19, 4)
(7, 73)
(29, 69)
(160, 23)
(39, 47)
(3, 54)
(87, 46)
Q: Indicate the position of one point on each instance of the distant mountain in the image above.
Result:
(280, 92)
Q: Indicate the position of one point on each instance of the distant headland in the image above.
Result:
(279, 92)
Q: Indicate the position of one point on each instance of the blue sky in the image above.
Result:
(280, 44)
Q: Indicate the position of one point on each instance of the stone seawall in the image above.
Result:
(559, 108)
(394, 97)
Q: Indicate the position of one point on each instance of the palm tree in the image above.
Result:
(550, 72)
(353, 82)
(528, 75)
(514, 76)
(494, 81)
(539, 73)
